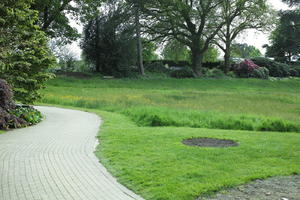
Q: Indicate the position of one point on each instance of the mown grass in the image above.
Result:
(153, 162)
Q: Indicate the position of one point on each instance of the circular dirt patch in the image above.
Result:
(209, 142)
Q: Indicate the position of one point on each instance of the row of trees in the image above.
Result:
(125, 26)
(196, 25)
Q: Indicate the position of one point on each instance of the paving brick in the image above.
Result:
(54, 160)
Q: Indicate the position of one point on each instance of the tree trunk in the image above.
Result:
(197, 59)
(139, 42)
(227, 57)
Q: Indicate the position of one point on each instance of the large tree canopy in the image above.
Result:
(24, 56)
(244, 51)
(239, 16)
(193, 23)
(54, 16)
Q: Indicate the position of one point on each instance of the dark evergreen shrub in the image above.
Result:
(276, 69)
(185, 72)
(214, 73)
(156, 67)
(261, 72)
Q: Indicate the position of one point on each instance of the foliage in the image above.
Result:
(214, 73)
(176, 51)
(149, 49)
(24, 53)
(109, 44)
(276, 69)
(201, 20)
(292, 2)
(27, 113)
(244, 51)
(284, 39)
(157, 67)
(6, 95)
(211, 55)
(185, 72)
(261, 72)
(246, 68)
(55, 15)
(240, 15)
(12, 116)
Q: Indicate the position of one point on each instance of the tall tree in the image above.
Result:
(24, 56)
(193, 23)
(240, 15)
(137, 5)
(285, 40)
(108, 42)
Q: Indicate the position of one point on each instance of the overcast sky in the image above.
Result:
(250, 37)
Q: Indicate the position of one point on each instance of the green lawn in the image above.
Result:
(146, 120)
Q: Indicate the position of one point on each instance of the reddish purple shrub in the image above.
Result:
(8, 120)
(246, 68)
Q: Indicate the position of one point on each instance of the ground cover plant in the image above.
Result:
(12, 115)
(151, 159)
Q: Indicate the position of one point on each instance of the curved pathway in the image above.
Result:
(54, 160)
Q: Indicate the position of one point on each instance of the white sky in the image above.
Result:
(250, 37)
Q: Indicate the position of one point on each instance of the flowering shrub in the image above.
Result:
(246, 68)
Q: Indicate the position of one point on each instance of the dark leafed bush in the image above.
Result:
(261, 72)
(156, 67)
(276, 69)
(172, 63)
(214, 73)
(12, 116)
(5, 95)
(185, 72)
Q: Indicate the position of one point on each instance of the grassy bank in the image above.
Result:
(150, 158)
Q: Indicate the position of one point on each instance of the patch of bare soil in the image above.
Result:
(209, 142)
(277, 188)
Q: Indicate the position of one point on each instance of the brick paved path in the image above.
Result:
(54, 160)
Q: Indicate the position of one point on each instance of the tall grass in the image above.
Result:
(153, 116)
(237, 104)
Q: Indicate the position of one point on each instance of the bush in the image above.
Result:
(276, 69)
(185, 72)
(12, 116)
(231, 74)
(27, 113)
(156, 67)
(214, 73)
(6, 95)
(261, 72)
(172, 63)
(246, 68)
